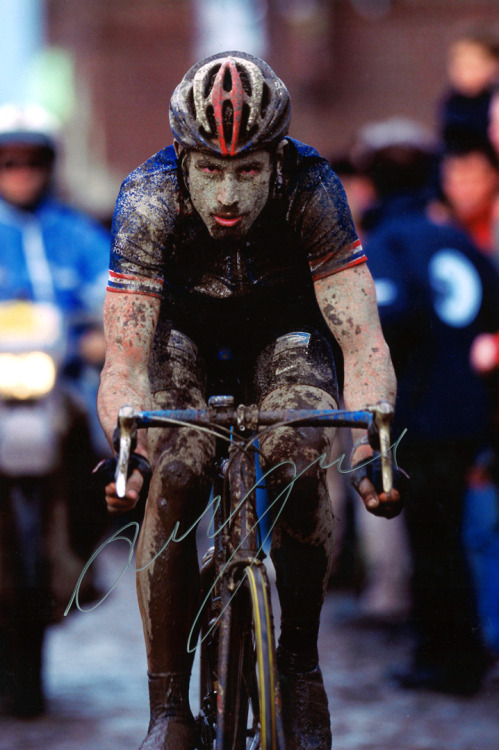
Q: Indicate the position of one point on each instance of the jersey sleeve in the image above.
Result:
(325, 223)
(142, 223)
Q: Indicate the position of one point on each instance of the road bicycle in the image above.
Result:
(239, 689)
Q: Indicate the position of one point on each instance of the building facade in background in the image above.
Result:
(345, 62)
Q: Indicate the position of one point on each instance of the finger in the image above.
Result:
(369, 496)
(383, 505)
(120, 504)
(134, 484)
(117, 504)
(390, 505)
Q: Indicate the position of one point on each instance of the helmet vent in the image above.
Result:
(227, 82)
(245, 80)
(228, 121)
(230, 103)
(265, 99)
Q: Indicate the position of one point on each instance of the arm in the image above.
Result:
(129, 325)
(347, 301)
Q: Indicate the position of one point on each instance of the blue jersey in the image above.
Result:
(435, 293)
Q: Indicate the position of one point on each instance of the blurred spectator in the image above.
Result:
(436, 292)
(50, 252)
(472, 69)
(359, 189)
(470, 186)
(53, 254)
(493, 127)
(382, 565)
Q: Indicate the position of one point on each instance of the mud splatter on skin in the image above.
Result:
(331, 315)
(129, 321)
(236, 189)
(307, 515)
(369, 375)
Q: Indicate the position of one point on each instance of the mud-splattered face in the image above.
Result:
(229, 193)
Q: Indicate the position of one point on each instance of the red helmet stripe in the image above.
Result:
(236, 97)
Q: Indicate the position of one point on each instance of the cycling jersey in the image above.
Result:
(231, 292)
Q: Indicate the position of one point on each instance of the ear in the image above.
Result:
(277, 179)
(182, 154)
(280, 151)
(178, 149)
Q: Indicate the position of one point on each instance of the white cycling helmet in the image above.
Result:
(28, 124)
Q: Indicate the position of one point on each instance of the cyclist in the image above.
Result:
(234, 258)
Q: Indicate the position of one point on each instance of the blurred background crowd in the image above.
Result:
(402, 97)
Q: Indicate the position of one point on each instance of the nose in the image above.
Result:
(228, 191)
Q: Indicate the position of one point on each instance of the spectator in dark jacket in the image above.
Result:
(436, 292)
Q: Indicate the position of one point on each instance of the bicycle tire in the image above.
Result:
(247, 701)
(208, 658)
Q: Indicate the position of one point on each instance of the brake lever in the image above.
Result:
(127, 430)
(383, 417)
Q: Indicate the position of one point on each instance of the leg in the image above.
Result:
(168, 575)
(450, 655)
(302, 539)
(302, 544)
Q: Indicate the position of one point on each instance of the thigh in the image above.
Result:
(297, 358)
(181, 457)
(296, 372)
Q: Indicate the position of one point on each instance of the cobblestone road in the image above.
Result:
(96, 685)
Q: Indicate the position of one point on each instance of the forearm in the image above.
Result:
(129, 325)
(121, 385)
(369, 377)
(348, 304)
(368, 380)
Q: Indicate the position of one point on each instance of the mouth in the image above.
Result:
(228, 221)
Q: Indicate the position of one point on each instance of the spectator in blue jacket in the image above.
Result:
(50, 252)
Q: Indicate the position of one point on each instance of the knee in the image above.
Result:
(182, 484)
(294, 461)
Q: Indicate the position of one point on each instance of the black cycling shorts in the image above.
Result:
(248, 374)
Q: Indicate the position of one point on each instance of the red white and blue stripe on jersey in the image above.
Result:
(352, 255)
(127, 283)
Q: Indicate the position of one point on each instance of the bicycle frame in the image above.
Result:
(236, 556)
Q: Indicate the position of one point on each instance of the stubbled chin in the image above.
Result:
(219, 232)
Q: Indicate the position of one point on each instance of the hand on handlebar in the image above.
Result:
(379, 483)
(134, 487)
(367, 478)
(382, 504)
(137, 483)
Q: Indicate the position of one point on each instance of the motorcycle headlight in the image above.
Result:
(25, 376)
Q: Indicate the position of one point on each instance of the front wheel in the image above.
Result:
(248, 704)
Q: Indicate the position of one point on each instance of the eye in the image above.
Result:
(250, 170)
(209, 169)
